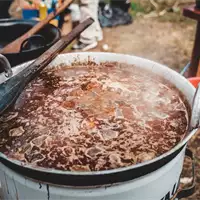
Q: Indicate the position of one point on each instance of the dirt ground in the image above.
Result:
(165, 42)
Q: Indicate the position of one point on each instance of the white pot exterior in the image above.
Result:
(158, 185)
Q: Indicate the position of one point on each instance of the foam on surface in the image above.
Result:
(94, 117)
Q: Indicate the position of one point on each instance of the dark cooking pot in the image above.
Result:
(10, 29)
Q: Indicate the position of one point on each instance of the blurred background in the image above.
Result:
(155, 29)
(159, 32)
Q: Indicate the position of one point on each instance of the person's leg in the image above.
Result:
(90, 37)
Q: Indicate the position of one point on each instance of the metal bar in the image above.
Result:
(192, 72)
(198, 4)
(190, 190)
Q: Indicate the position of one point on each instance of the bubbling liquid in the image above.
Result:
(91, 117)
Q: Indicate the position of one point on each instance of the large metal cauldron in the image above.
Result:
(157, 179)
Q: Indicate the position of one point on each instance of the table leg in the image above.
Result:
(193, 69)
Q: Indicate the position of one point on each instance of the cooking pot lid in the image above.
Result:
(195, 118)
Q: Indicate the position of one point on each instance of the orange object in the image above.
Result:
(195, 81)
(54, 22)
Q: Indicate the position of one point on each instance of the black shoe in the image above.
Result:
(84, 47)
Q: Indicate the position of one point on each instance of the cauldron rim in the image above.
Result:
(115, 175)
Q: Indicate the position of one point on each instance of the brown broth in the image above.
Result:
(94, 117)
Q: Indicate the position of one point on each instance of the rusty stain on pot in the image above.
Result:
(48, 193)
(6, 184)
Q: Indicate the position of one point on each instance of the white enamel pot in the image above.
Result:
(157, 179)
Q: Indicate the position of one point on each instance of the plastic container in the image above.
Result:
(194, 81)
(30, 13)
(42, 11)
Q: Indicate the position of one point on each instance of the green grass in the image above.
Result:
(136, 7)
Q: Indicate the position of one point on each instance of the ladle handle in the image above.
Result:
(5, 65)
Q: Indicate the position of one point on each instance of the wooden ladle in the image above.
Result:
(14, 47)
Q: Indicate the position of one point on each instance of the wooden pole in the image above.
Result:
(193, 12)
(193, 69)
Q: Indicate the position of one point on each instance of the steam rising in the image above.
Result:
(94, 117)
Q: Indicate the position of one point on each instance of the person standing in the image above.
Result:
(91, 36)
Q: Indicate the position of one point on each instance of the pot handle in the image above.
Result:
(190, 190)
(30, 40)
(4, 63)
(195, 118)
